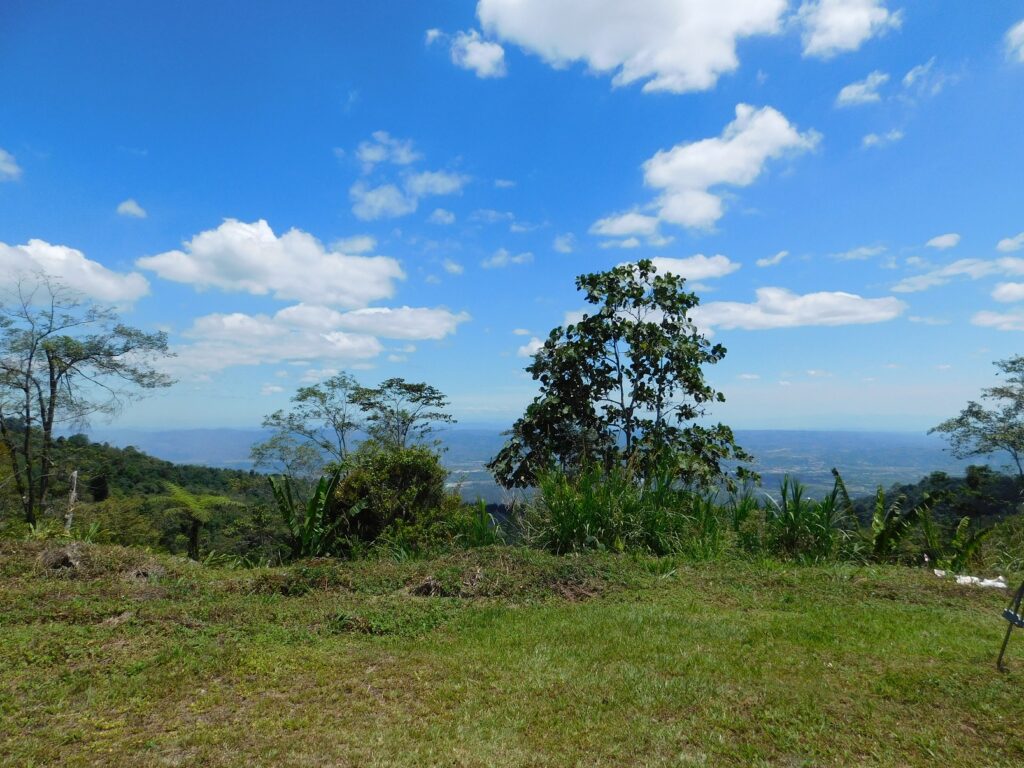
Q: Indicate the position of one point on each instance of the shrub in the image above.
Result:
(804, 528)
(395, 491)
(613, 510)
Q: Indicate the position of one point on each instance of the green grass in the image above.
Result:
(502, 657)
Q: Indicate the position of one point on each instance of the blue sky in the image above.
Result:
(409, 189)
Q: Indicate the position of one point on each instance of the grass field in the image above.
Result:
(500, 657)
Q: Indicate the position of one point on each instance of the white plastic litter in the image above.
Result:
(940, 573)
(997, 583)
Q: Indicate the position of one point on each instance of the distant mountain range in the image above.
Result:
(865, 459)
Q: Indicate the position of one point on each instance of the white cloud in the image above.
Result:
(927, 320)
(304, 332)
(669, 45)
(860, 253)
(622, 224)
(434, 183)
(926, 80)
(832, 27)
(1001, 321)
(1008, 292)
(250, 258)
(863, 91)
(564, 243)
(355, 244)
(971, 268)
(271, 389)
(686, 174)
(131, 209)
(9, 168)
(699, 267)
(385, 201)
(817, 373)
(504, 183)
(491, 216)
(530, 348)
(1015, 42)
(916, 74)
(484, 57)
(72, 269)
(503, 258)
(942, 242)
(771, 261)
(1011, 244)
(442, 217)
(433, 35)
(383, 148)
(220, 341)
(881, 139)
(520, 332)
(452, 267)
(780, 308)
(748, 376)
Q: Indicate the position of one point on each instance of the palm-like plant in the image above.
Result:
(891, 522)
(311, 530)
(197, 508)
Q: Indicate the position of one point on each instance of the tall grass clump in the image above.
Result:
(809, 529)
(616, 511)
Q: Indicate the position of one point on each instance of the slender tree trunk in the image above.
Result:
(72, 498)
(193, 538)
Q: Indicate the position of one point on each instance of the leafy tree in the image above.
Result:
(62, 359)
(315, 431)
(400, 412)
(623, 386)
(981, 431)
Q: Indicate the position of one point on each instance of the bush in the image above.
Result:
(395, 494)
(613, 510)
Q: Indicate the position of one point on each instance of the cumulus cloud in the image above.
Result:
(530, 348)
(771, 261)
(863, 91)
(355, 244)
(383, 148)
(748, 376)
(699, 267)
(622, 224)
(452, 267)
(131, 209)
(250, 258)
(72, 269)
(388, 201)
(565, 243)
(484, 57)
(686, 174)
(442, 217)
(627, 243)
(881, 139)
(942, 242)
(831, 27)
(304, 332)
(1001, 321)
(970, 268)
(1011, 244)
(669, 45)
(1008, 292)
(1015, 42)
(9, 168)
(504, 258)
(781, 308)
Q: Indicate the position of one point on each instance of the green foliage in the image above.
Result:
(387, 487)
(808, 529)
(312, 529)
(400, 413)
(890, 523)
(611, 510)
(195, 510)
(623, 387)
(981, 431)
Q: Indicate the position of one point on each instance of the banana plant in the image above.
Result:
(890, 523)
(310, 528)
(965, 544)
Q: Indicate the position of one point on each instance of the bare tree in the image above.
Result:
(62, 360)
